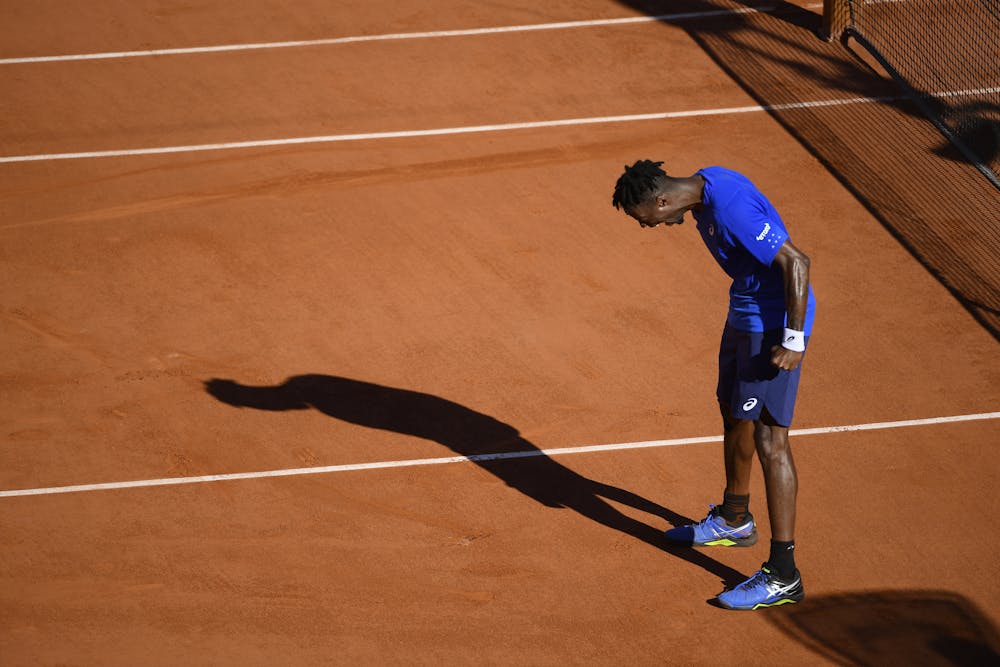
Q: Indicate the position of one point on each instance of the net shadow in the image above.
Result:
(945, 55)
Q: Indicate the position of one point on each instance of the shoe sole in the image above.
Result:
(747, 541)
(792, 599)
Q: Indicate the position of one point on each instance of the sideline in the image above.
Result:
(563, 25)
(561, 451)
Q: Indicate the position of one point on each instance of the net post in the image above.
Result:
(836, 18)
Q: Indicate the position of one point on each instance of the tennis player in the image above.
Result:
(771, 310)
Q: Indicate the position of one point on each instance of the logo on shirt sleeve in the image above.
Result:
(763, 234)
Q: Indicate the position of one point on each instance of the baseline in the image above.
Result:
(469, 129)
(561, 451)
(501, 127)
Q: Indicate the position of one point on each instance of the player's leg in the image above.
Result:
(778, 582)
(736, 356)
(731, 523)
(778, 465)
(738, 450)
(780, 478)
(738, 443)
(782, 485)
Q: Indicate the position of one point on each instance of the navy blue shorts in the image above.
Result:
(748, 382)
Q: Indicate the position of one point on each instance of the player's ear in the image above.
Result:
(662, 201)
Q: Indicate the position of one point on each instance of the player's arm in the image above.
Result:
(794, 266)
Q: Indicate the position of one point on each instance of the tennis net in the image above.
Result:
(945, 54)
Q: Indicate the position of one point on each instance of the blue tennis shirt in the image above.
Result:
(744, 232)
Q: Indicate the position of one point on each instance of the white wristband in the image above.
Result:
(793, 340)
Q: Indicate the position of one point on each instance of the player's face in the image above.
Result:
(657, 211)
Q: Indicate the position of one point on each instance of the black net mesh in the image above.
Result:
(946, 53)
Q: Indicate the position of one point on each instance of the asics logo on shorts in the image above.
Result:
(750, 404)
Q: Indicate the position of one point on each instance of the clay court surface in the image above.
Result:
(421, 297)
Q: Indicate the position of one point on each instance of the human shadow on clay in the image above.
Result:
(491, 444)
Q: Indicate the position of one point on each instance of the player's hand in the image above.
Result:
(785, 359)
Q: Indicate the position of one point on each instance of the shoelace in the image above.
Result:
(758, 580)
(713, 512)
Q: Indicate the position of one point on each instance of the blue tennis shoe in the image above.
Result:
(713, 531)
(764, 589)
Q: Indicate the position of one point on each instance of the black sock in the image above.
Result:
(782, 559)
(734, 508)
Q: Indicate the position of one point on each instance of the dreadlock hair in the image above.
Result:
(636, 184)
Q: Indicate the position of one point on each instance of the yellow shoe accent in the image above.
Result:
(761, 605)
(724, 542)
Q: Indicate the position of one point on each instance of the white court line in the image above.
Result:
(502, 127)
(564, 25)
(561, 451)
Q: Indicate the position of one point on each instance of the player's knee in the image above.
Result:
(772, 444)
